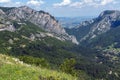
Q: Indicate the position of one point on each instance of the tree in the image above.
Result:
(68, 66)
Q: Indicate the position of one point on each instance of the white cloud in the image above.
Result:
(84, 3)
(4, 1)
(104, 2)
(94, 3)
(63, 3)
(77, 4)
(18, 4)
(13, 4)
(35, 2)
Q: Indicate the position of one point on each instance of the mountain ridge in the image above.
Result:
(107, 20)
(38, 45)
(40, 18)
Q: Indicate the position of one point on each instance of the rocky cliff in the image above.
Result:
(87, 30)
(40, 18)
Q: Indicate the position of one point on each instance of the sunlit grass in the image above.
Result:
(17, 71)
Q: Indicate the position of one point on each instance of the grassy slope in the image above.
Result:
(10, 69)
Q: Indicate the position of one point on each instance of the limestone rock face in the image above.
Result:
(40, 18)
(2, 12)
(106, 21)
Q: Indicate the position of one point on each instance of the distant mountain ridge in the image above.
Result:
(70, 22)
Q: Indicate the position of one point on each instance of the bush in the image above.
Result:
(36, 61)
(68, 66)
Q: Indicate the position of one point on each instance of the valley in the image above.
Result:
(34, 43)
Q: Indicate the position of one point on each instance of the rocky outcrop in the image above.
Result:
(40, 18)
(90, 29)
(104, 22)
(2, 12)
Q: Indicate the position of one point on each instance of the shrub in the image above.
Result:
(36, 61)
(68, 66)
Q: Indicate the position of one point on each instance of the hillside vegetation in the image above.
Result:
(13, 69)
(49, 53)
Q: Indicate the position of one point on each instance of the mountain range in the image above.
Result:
(70, 22)
(88, 30)
(88, 51)
(39, 18)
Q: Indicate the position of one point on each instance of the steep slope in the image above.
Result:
(30, 40)
(102, 33)
(22, 35)
(80, 31)
(24, 31)
(13, 69)
(106, 21)
(107, 39)
(39, 18)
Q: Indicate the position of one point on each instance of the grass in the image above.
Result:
(12, 69)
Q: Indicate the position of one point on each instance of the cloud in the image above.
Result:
(13, 4)
(63, 3)
(84, 3)
(4, 1)
(104, 2)
(94, 3)
(16, 4)
(35, 2)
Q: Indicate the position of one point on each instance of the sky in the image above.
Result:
(66, 8)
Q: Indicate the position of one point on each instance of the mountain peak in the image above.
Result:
(26, 7)
(112, 13)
